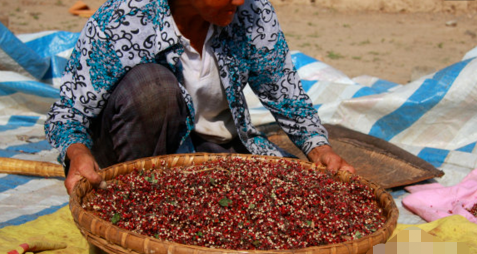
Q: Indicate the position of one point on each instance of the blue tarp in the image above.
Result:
(433, 117)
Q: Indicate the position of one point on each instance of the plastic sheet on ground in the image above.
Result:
(433, 117)
(52, 233)
(433, 201)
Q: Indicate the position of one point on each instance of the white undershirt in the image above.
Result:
(213, 120)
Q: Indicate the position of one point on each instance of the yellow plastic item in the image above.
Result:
(53, 233)
(451, 229)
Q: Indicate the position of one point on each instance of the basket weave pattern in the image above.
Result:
(113, 239)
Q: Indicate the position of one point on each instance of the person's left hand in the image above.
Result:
(325, 156)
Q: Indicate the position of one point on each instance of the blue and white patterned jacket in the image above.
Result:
(251, 50)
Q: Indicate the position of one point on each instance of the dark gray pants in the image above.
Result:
(145, 116)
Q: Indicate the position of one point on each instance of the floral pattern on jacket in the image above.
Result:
(251, 50)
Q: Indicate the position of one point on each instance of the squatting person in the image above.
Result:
(156, 77)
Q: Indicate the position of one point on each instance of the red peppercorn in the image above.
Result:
(473, 210)
(240, 204)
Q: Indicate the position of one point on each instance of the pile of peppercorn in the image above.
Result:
(240, 204)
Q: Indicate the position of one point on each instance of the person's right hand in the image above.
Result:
(82, 164)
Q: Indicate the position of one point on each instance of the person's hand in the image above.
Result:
(325, 156)
(82, 164)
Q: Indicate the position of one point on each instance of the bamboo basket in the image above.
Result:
(113, 239)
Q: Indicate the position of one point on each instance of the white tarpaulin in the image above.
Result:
(432, 118)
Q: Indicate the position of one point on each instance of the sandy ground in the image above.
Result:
(395, 44)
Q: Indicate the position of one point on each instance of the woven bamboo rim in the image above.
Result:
(32, 168)
(113, 239)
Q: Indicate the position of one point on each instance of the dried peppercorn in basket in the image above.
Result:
(113, 239)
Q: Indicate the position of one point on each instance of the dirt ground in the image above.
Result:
(393, 44)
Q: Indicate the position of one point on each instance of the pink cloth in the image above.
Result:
(434, 201)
